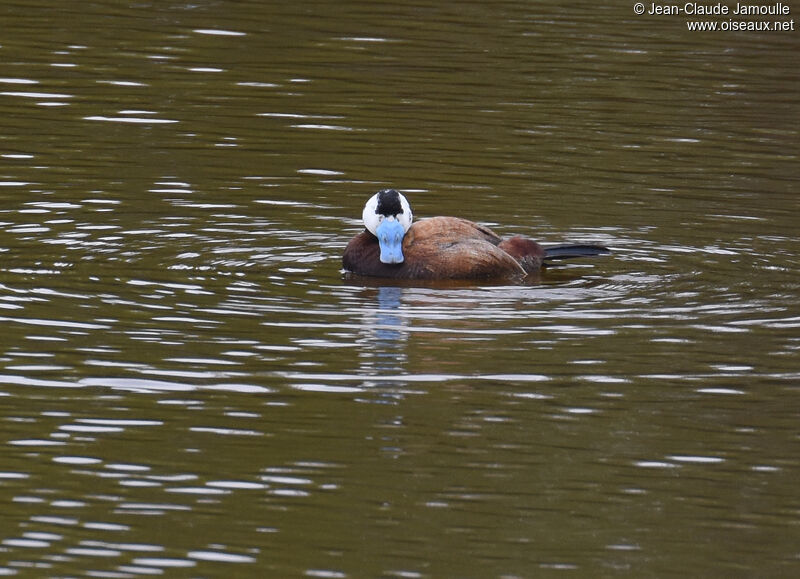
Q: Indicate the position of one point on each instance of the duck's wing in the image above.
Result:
(454, 248)
(453, 229)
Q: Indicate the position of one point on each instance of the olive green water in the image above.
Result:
(190, 387)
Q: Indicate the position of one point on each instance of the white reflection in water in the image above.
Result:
(235, 484)
(85, 428)
(199, 491)
(43, 536)
(76, 460)
(138, 483)
(93, 552)
(120, 421)
(218, 32)
(696, 459)
(732, 391)
(150, 508)
(36, 95)
(122, 83)
(35, 442)
(325, 574)
(326, 172)
(309, 387)
(655, 464)
(226, 431)
(163, 562)
(67, 504)
(326, 127)
(66, 521)
(140, 547)
(220, 556)
(112, 527)
(137, 384)
(286, 480)
(133, 120)
(28, 543)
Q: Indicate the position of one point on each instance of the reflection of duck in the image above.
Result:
(442, 247)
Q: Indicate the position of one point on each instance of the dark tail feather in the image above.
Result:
(557, 252)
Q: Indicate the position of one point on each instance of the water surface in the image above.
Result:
(192, 387)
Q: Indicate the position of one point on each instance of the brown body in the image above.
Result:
(447, 248)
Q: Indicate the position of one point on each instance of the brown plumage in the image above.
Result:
(442, 247)
(446, 248)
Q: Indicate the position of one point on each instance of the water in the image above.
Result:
(191, 386)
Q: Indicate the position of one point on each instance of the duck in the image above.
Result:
(443, 248)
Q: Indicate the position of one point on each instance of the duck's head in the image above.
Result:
(387, 215)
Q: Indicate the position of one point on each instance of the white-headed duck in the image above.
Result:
(442, 247)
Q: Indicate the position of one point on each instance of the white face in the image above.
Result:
(372, 219)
